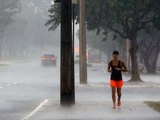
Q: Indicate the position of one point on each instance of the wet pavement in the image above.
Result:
(94, 110)
(29, 90)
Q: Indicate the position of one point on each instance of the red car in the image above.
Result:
(49, 59)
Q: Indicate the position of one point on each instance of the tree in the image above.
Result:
(28, 30)
(150, 42)
(8, 8)
(150, 48)
(55, 18)
(106, 44)
(54, 15)
(124, 17)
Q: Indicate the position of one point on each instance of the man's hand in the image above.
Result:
(118, 69)
(109, 70)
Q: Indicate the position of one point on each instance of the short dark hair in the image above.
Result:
(115, 52)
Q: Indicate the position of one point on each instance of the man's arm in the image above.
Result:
(124, 68)
(109, 69)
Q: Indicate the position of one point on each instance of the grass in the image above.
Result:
(154, 105)
(4, 63)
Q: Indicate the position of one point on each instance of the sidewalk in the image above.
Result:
(94, 103)
(93, 110)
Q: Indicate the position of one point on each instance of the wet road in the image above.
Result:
(24, 85)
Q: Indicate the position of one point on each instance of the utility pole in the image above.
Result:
(82, 43)
(67, 92)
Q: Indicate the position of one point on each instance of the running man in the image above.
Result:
(116, 66)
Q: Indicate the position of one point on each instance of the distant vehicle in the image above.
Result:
(48, 59)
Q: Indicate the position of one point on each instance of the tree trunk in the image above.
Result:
(135, 76)
(150, 61)
(2, 45)
(151, 68)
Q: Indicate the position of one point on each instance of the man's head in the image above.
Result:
(115, 55)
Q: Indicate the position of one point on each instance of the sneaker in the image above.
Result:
(118, 105)
(114, 106)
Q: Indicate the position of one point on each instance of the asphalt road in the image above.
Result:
(23, 86)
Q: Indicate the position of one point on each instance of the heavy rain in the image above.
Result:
(79, 60)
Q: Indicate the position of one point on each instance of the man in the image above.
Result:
(116, 66)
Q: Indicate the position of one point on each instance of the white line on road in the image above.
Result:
(36, 110)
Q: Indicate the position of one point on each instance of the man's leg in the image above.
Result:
(113, 96)
(119, 96)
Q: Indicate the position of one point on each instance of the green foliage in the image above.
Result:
(55, 16)
(121, 16)
(124, 17)
(156, 20)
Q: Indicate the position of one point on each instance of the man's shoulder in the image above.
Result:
(121, 62)
(110, 62)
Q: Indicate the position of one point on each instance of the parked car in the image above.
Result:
(48, 59)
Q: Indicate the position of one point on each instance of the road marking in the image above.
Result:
(36, 110)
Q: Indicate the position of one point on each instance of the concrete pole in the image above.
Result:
(82, 43)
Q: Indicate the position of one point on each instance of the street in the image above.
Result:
(23, 86)
(26, 87)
